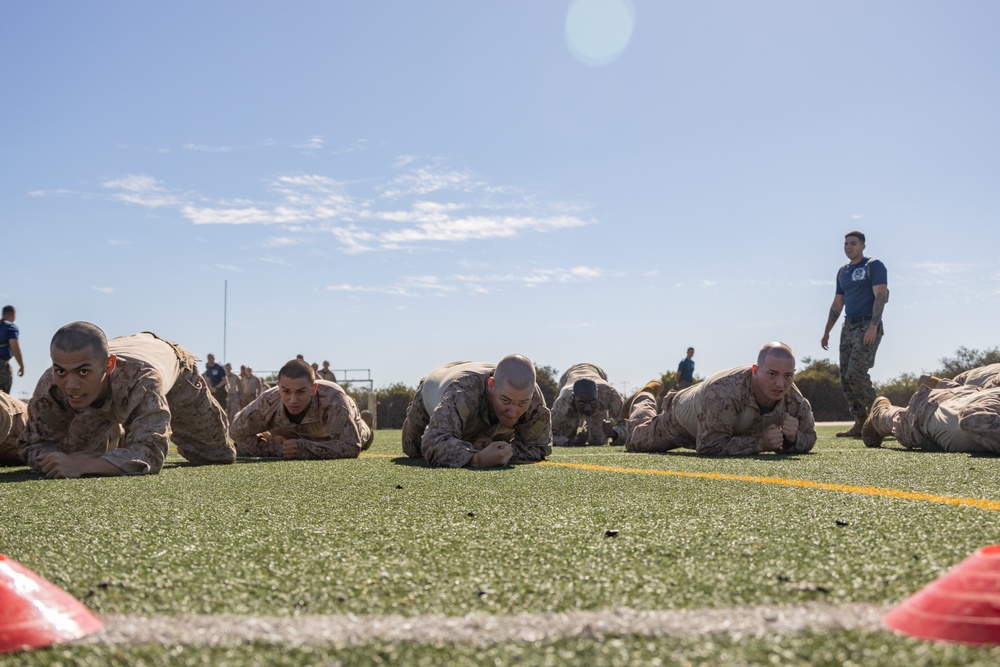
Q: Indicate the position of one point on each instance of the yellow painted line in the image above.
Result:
(978, 503)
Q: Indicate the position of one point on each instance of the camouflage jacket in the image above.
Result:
(984, 376)
(13, 415)
(722, 418)
(331, 427)
(464, 413)
(143, 376)
(566, 420)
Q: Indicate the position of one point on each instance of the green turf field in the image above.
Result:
(383, 536)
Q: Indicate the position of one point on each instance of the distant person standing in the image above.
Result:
(685, 370)
(10, 346)
(216, 376)
(862, 286)
(325, 373)
(13, 416)
(234, 388)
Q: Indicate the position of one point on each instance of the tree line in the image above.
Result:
(818, 380)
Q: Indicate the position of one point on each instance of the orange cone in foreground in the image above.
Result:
(962, 606)
(36, 613)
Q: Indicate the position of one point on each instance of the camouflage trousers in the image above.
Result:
(981, 420)
(415, 424)
(199, 426)
(6, 376)
(856, 359)
(652, 432)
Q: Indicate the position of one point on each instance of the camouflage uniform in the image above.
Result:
(984, 376)
(252, 387)
(13, 415)
(717, 417)
(235, 387)
(327, 375)
(451, 409)
(566, 420)
(856, 359)
(330, 428)
(950, 418)
(156, 394)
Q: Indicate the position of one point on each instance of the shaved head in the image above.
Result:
(79, 336)
(775, 349)
(515, 371)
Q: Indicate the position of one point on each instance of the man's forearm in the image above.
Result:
(880, 301)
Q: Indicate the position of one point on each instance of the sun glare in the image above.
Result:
(597, 31)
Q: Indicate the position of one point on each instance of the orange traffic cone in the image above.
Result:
(36, 613)
(961, 606)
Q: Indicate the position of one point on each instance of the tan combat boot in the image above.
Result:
(654, 387)
(869, 434)
(854, 431)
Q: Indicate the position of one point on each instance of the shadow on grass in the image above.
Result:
(422, 463)
(18, 474)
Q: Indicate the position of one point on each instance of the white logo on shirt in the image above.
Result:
(859, 274)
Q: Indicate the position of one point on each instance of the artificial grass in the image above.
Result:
(382, 535)
(835, 649)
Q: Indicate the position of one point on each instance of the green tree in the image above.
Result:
(898, 390)
(966, 359)
(819, 382)
(547, 379)
(391, 402)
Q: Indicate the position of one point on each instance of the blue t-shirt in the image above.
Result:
(216, 374)
(856, 287)
(685, 370)
(8, 332)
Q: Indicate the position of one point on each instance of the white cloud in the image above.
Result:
(118, 243)
(314, 142)
(944, 268)
(103, 290)
(142, 190)
(425, 180)
(229, 267)
(856, 216)
(209, 149)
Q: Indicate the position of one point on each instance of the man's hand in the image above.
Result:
(20, 372)
(497, 453)
(771, 440)
(481, 442)
(579, 439)
(790, 427)
(57, 465)
(289, 446)
(609, 429)
(871, 333)
(825, 342)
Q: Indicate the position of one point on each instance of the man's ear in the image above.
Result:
(489, 382)
(753, 369)
(109, 365)
(315, 387)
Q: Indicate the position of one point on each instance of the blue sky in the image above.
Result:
(399, 184)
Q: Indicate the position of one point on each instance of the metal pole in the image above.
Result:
(225, 316)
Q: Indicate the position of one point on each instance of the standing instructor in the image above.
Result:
(862, 286)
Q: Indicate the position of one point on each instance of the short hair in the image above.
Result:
(859, 235)
(585, 389)
(515, 371)
(690, 349)
(776, 349)
(77, 336)
(8, 310)
(296, 369)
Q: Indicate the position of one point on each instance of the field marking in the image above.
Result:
(352, 630)
(978, 503)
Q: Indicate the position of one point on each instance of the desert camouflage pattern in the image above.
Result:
(327, 375)
(566, 420)
(717, 417)
(13, 416)
(156, 395)
(235, 387)
(856, 359)
(984, 376)
(332, 427)
(951, 418)
(252, 387)
(451, 410)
